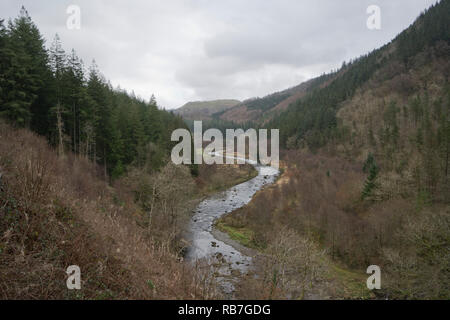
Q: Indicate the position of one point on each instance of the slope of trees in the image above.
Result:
(50, 92)
(432, 26)
(312, 120)
(375, 189)
(266, 102)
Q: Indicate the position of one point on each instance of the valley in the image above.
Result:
(93, 176)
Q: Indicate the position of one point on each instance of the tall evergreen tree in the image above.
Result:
(3, 63)
(48, 92)
(73, 78)
(30, 73)
(58, 112)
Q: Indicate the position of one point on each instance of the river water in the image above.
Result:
(229, 262)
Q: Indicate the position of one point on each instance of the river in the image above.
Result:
(231, 262)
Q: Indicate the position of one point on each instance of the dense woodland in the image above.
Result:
(50, 92)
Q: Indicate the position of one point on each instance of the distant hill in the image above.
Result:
(258, 110)
(203, 110)
(263, 109)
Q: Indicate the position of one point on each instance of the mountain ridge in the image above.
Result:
(203, 110)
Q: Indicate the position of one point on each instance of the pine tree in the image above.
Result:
(29, 70)
(57, 61)
(73, 79)
(369, 163)
(3, 63)
(370, 184)
(96, 91)
(18, 85)
(48, 92)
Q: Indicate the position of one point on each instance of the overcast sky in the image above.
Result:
(209, 49)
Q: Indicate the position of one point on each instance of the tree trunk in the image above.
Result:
(60, 129)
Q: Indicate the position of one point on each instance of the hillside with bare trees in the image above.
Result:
(366, 178)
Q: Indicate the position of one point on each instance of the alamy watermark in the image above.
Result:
(374, 20)
(73, 22)
(213, 153)
(374, 281)
(74, 279)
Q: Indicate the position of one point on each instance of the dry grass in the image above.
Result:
(213, 178)
(57, 212)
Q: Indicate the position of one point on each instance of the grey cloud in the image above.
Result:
(183, 50)
(271, 48)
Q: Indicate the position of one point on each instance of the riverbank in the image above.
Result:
(335, 280)
(240, 234)
(216, 178)
(207, 245)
